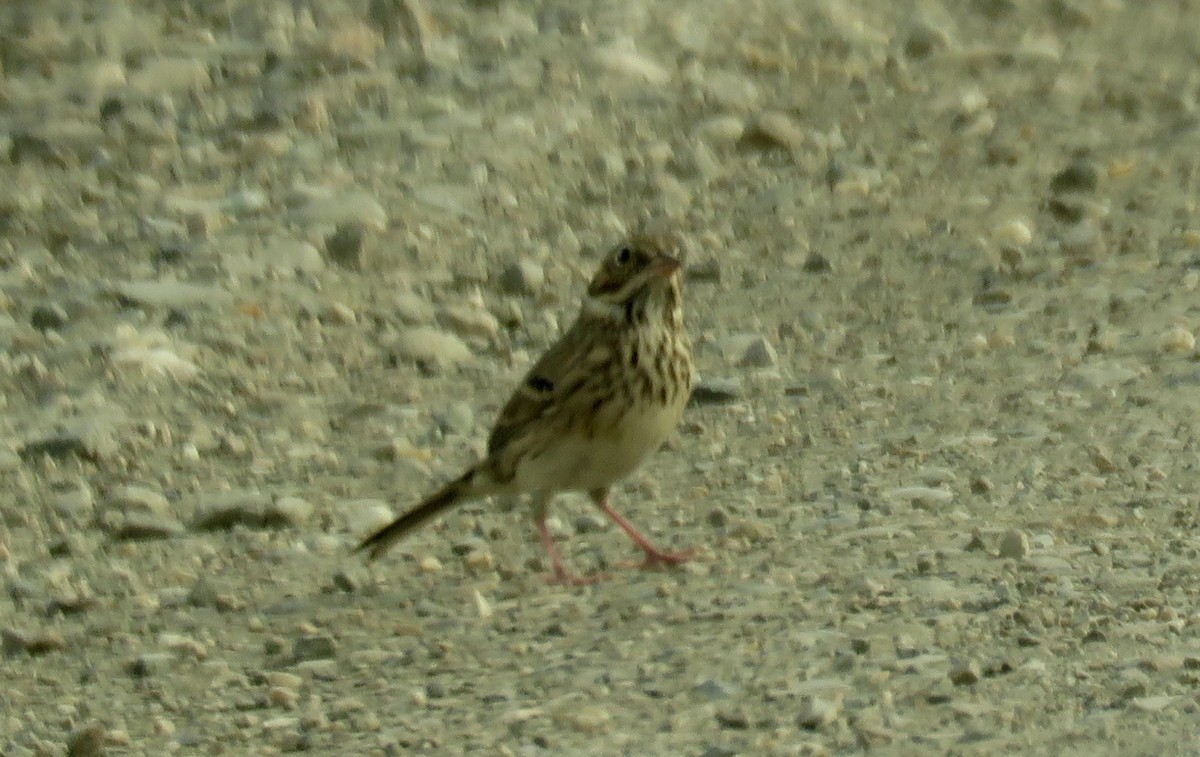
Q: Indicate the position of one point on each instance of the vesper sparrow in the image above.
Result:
(595, 405)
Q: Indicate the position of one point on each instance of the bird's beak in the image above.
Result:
(666, 266)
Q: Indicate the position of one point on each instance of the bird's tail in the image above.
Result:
(473, 484)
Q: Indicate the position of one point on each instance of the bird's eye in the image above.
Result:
(624, 255)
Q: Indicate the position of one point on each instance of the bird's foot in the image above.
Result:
(563, 577)
(656, 559)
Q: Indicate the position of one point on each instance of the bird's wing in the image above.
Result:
(551, 386)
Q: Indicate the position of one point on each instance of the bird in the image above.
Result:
(592, 408)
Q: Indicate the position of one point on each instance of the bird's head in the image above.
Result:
(640, 271)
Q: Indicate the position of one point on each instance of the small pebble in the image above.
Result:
(430, 348)
(1083, 241)
(1014, 544)
(74, 501)
(818, 712)
(717, 391)
(523, 277)
(328, 208)
(1000, 338)
(346, 246)
(480, 559)
(587, 718)
(287, 255)
(735, 718)
(712, 689)
(758, 354)
(283, 697)
(772, 131)
(1176, 340)
(284, 679)
(470, 321)
(87, 741)
(589, 523)
(816, 263)
(14, 641)
(1151, 704)
(706, 271)
(288, 510)
(718, 517)
(135, 498)
(923, 497)
(48, 316)
(185, 646)
(218, 511)
(482, 606)
(173, 294)
(412, 309)
(966, 673)
(722, 130)
(313, 647)
(1015, 232)
(137, 526)
(456, 418)
(339, 314)
(1080, 176)
(981, 485)
(622, 59)
(151, 663)
(924, 39)
(1133, 683)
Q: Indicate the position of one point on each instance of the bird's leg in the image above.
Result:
(561, 575)
(654, 556)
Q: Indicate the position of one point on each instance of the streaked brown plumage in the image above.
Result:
(593, 407)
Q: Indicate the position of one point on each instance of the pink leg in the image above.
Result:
(561, 574)
(654, 555)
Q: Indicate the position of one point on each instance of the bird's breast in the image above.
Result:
(599, 454)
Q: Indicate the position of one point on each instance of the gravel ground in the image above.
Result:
(268, 269)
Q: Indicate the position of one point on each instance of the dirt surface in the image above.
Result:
(268, 270)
